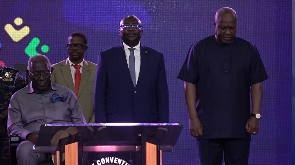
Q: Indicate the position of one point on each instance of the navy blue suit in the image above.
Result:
(117, 100)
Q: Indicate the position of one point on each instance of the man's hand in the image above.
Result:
(32, 137)
(196, 129)
(252, 126)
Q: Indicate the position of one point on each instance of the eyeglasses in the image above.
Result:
(37, 74)
(78, 46)
(126, 26)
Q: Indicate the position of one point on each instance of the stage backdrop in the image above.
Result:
(29, 27)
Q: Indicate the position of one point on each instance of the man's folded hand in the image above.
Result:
(32, 137)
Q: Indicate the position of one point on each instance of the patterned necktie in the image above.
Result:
(77, 78)
(132, 65)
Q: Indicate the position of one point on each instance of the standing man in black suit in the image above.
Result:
(131, 84)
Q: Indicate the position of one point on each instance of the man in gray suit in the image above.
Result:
(80, 80)
(40, 102)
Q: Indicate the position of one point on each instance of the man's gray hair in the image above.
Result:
(37, 58)
(225, 10)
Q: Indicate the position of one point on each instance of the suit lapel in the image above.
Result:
(66, 72)
(123, 63)
(86, 71)
(144, 61)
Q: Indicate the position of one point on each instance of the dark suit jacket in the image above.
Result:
(117, 100)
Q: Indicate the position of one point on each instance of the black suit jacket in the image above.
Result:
(117, 100)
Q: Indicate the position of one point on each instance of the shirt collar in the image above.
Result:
(71, 64)
(31, 89)
(126, 47)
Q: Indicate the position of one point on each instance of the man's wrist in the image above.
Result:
(256, 115)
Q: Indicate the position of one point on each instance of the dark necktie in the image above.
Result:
(132, 65)
(77, 77)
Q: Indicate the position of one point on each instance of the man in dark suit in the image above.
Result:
(131, 84)
(10, 82)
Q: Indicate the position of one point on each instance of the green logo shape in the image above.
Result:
(31, 49)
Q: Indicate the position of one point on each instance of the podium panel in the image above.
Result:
(151, 154)
(71, 154)
(103, 143)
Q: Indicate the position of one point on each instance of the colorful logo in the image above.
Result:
(31, 49)
(18, 35)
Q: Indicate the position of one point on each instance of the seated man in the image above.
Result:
(40, 102)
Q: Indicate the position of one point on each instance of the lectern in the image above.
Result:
(71, 142)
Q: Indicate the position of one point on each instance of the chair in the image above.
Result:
(14, 141)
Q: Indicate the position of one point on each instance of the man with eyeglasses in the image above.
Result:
(77, 74)
(40, 102)
(126, 92)
(131, 84)
(221, 73)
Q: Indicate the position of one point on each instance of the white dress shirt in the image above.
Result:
(73, 70)
(137, 58)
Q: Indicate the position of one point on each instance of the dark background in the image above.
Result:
(170, 26)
